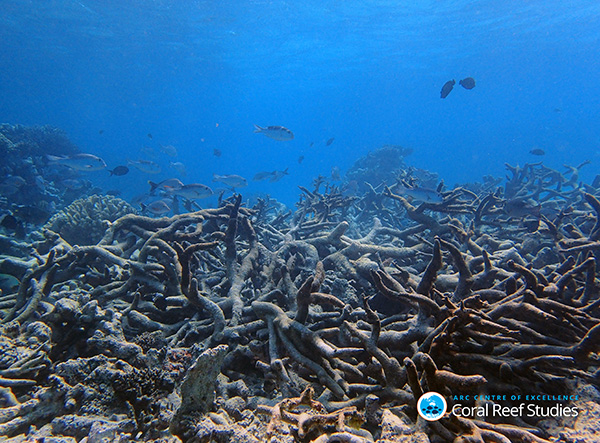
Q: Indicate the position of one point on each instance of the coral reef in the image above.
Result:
(84, 221)
(239, 324)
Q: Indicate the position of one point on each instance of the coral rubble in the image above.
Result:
(238, 325)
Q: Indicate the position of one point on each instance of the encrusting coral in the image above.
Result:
(324, 328)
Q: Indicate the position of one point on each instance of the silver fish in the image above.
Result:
(260, 176)
(235, 181)
(275, 132)
(168, 185)
(147, 166)
(170, 150)
(179, 167)
(157, 207)
(79, 162)
(422, 194)
(193, 191)
(278, 175)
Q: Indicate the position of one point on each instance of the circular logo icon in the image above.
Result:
(431, 406)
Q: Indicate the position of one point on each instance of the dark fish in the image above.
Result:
(9, 222)
(330, 141)
(467, 83)
(149, 135)
(119, 171)
(30, 214)
(101, 131)
(217, 152)
(312, 144)
(537, 151)
(447, 88)
(300, 159)
(518, 207)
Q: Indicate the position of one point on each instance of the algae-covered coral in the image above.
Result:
(326, 326)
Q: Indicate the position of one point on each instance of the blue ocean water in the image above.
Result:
(199, 74)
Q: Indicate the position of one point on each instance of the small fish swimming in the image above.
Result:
(168, 185)
(330, 141)
(157, 207)
(147, 166)
(447, 88)
(73, 184)
(30, 214)
(278, 133)
(235, 181)
(79, 162)
(278, 175)
(193, 191)
(300, 159)
(169, 150)
(179, 167)
(537, 151)
(519, 207)
(335, 173)
(149, 135)
(421, 194)
(467, 83)
(263, 175)
(217, 152)
(119, 171)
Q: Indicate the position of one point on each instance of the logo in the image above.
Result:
(431, 406)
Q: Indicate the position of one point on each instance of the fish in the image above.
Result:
(147, 166)
(235, 181)
(119, 171)
(157, 207)
(330, 141)
(260, 176)
(519, 207)
(79, 162)
(148, 151)
(335, 173)
(74, 184)
(170, 150)
(217, 152)
(8, 190)
(311, 144)
(179, 167)
(168, 185)
(30, 214)
(193, 191)
(447, 88)
(149, 135)
(14, 180)
(11, 223)
(467, 83)
(421, 194)
(300, 159)
(278, 133)
(114, 192)
(101, 131)
(278, 175)
(537, 151)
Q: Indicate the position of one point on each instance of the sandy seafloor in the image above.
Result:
(325, 323)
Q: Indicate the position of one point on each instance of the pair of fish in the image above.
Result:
(467, 83)
(278, 133)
